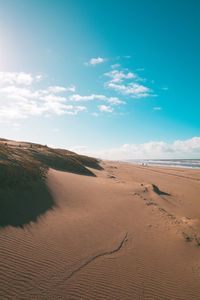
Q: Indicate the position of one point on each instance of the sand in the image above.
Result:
(131, 232)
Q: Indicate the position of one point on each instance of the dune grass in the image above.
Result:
(24, 195)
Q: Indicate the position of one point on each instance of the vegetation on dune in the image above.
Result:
(24, 162)
(23, 167)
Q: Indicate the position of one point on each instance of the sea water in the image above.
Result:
(184, 163)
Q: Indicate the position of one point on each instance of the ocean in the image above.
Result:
(181, 163)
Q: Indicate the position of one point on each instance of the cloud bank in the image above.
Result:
(19, 78)
(151, 150)
(20, 98)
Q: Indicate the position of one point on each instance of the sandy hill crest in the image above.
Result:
(23, 167)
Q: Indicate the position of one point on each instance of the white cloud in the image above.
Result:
(105, 108)
(127, 83)
(95, 97)
(153, 150)
(53, 98)
(188, 145)
(79, 98)
(74, 110)
(135, 90)
(71, 88)
(118, 76)
(25, 108)
(18, 93)
(61, 89)
(95, 61)
(56, 89)
(38, 77)
(18, 98)
(114, 101)
(18, 78)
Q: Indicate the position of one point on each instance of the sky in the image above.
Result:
(113, 79)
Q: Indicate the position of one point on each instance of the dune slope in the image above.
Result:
(24, 195)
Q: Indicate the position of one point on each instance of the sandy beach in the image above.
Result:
(130, 232)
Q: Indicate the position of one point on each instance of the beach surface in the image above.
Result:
(129, 232)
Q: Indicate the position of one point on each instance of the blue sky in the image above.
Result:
(109, 78)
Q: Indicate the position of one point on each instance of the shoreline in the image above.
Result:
(139, 164)
(152, 164)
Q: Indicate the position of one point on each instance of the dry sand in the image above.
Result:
(132, 232)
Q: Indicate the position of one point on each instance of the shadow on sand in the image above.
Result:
(73, 164)
(22, 205)
(158, 191)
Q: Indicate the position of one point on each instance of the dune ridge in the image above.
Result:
(23, 170)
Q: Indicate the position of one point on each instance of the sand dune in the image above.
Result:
(129, 232)
(23, 166)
